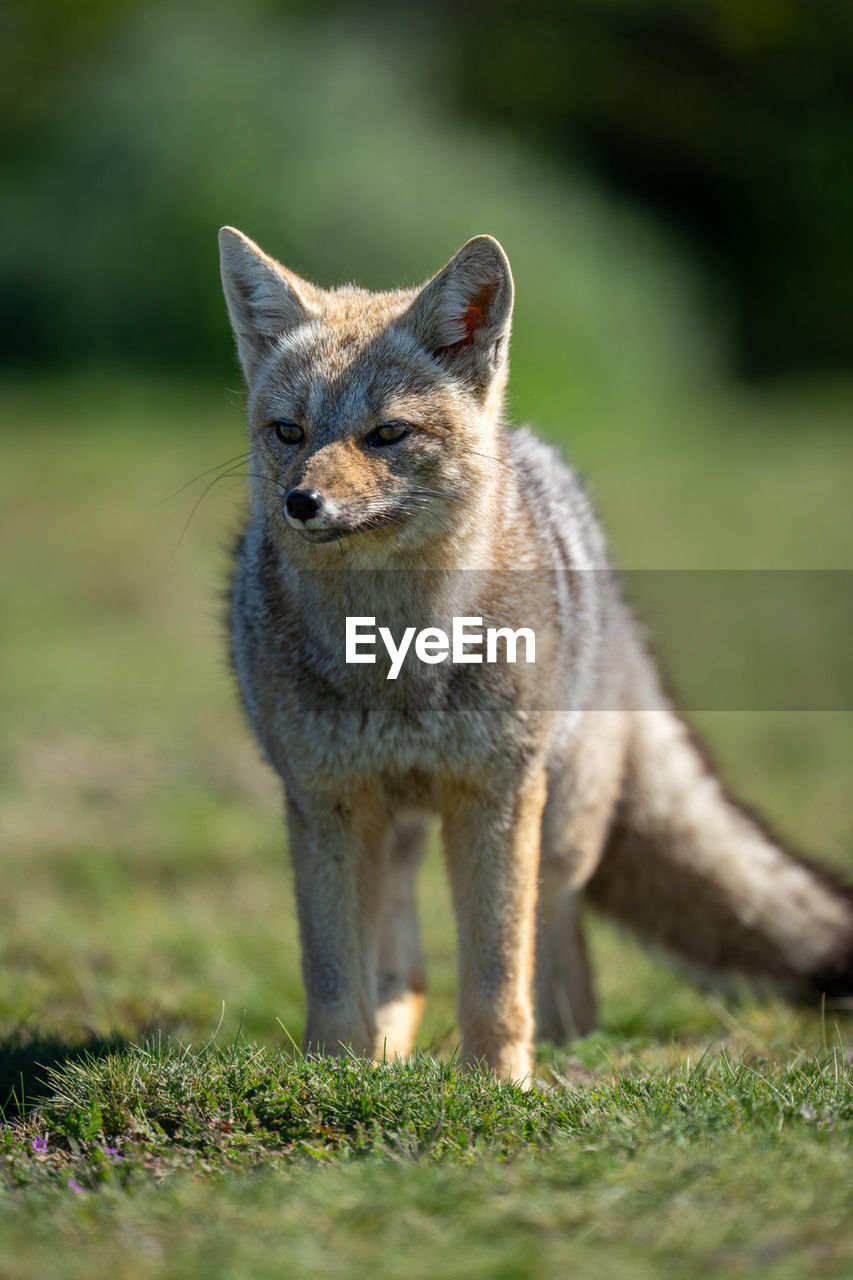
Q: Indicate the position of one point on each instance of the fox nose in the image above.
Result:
(302, 504)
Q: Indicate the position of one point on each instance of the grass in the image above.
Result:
(169, 1104)
(146, 903)
(250, 1161)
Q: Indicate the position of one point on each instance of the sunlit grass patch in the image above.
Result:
(156, 1108)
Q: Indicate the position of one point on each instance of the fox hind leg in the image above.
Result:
(565, 995)
(583, 792)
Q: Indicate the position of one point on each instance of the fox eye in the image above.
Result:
(287, 432)
(388, 433)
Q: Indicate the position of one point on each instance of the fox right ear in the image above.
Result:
(264, 299)
(462, 315)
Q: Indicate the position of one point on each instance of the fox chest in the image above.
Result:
(405, 732)
(322, 716)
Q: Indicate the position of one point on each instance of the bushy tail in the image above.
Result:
(689, 869)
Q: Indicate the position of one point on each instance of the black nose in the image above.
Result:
(302, 504)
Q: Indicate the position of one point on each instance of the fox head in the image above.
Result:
(373, 417)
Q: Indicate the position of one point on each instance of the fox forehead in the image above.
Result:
(352, 363)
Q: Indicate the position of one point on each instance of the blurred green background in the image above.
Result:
(673, 183)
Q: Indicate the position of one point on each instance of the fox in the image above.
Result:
(387, 486)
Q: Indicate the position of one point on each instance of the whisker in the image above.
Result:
(526, 488)
(501, 462)
(232, 472)
(431, 513)
(231, 461)
(254, 475)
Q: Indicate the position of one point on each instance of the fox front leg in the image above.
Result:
(492, 834)
(401, 984)
(338, 851)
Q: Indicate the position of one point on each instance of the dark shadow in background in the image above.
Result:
(26, 1060)
(734, 122)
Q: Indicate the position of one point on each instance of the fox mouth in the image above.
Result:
(336, 532)
(323, 535)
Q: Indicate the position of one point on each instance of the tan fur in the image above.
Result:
(491, 837)
(569, 776)
(401, 986)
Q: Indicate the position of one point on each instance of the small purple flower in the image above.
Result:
(40, 1146)
(113, 1151)
(75, 1186)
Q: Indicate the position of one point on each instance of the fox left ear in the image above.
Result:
(463, 314)
(264, 299)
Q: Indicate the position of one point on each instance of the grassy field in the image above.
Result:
(158, 1120)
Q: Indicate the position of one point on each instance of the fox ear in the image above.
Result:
(264, 299)
(463, 314)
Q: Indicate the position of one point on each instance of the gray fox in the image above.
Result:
(387, 489)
